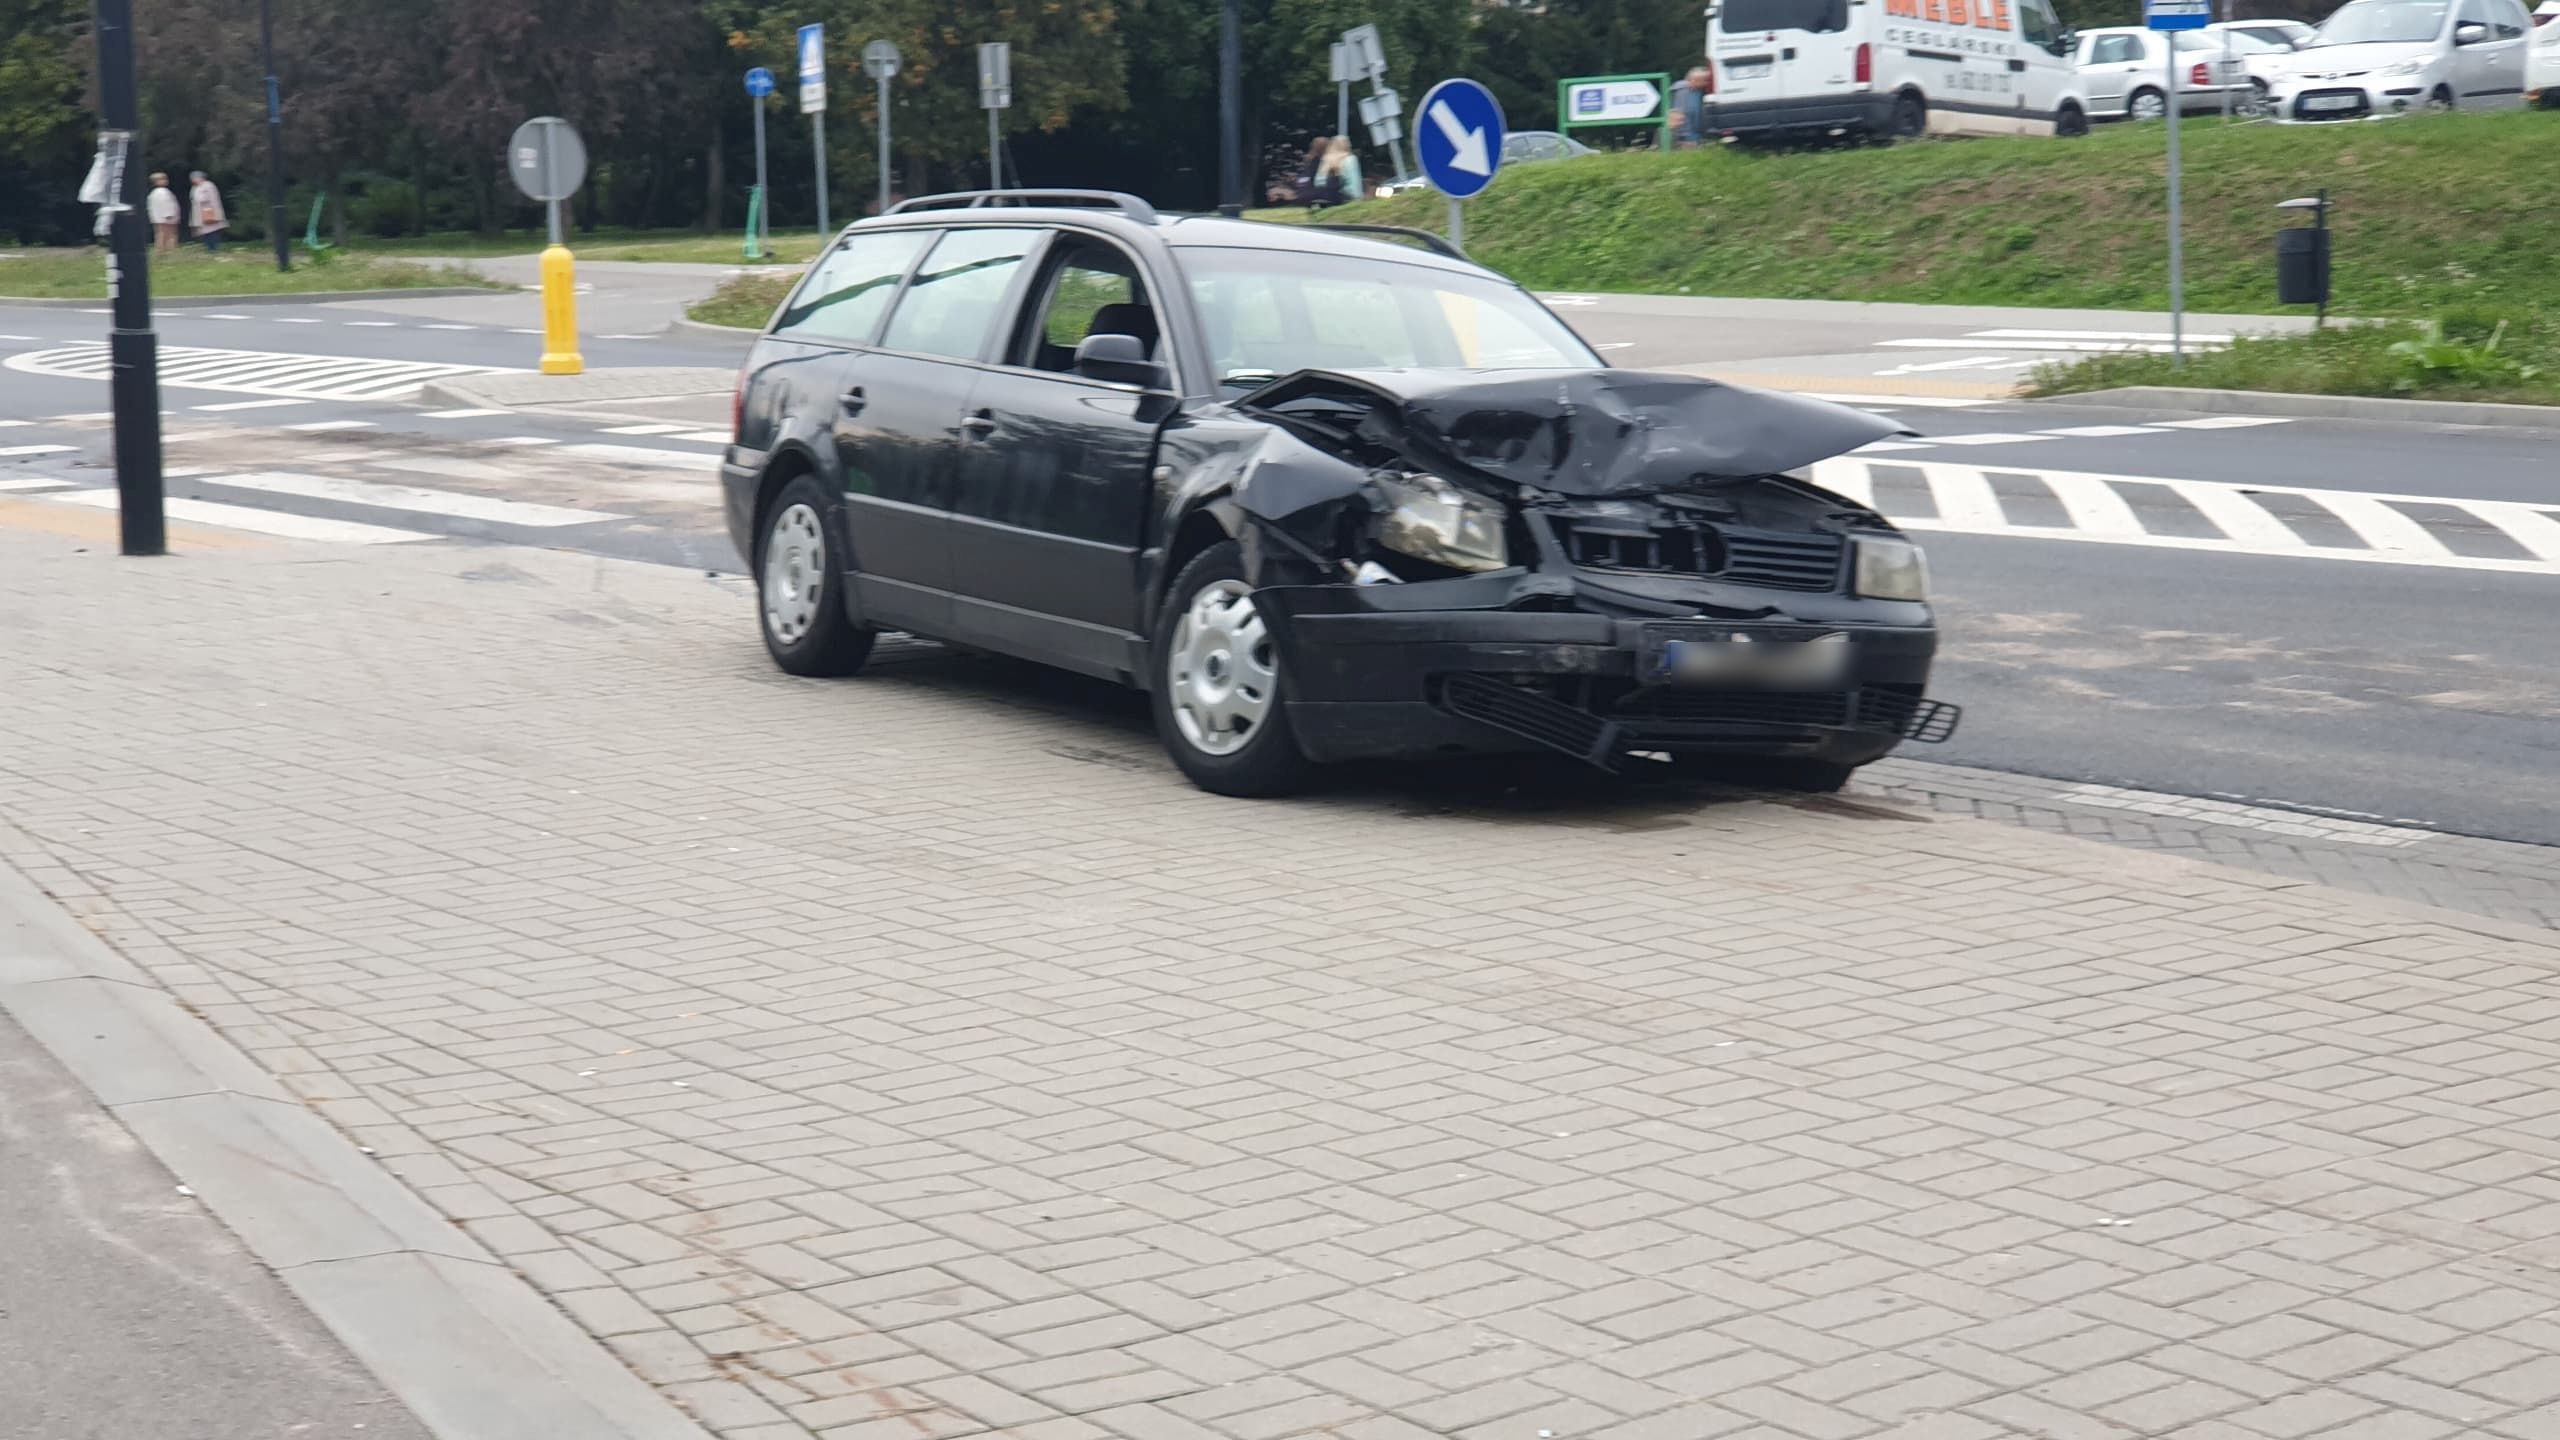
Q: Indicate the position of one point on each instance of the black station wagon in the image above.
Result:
(1324, 492)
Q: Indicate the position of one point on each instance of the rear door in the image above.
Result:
(2499, 81)
(1051, 504)
(904, 410)
(1775, 50)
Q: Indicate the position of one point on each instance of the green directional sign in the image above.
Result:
(1593, 101)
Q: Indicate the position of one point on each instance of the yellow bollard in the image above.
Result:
(560, 314)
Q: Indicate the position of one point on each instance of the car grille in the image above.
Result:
(1776, 559)
(1894, 709)
(2303, 109)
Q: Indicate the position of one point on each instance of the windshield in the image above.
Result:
(1271, 312)
(2383, 22)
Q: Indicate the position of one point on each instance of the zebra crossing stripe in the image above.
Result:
(257, 372)
(281, 523)
(1964, 499)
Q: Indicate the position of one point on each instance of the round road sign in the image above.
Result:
(759, 82)
(880, 59)
(1457, 138)
(547, 159)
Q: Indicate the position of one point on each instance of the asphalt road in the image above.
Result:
(127, 1310)
(2421, 688)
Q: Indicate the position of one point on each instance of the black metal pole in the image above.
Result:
(132, 349)
(1231, 196)
(275, 135)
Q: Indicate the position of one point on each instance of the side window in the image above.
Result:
(843, 299)
(1092, 289)
(2116, 50)
(2474, 12)
(2036, 24)
(952, 304)
(2512, 22)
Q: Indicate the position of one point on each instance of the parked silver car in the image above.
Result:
(2125, 71)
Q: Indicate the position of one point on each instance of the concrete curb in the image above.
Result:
(465, 1343)
(316, 297)
(2318, 407)
(733, 332)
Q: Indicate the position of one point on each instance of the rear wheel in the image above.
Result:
(1219, 691)
(2147, 104)
(799, 585)
(1910, 117)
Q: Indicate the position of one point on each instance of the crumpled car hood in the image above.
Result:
(1598, 432)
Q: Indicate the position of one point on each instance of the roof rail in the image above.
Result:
(1437, 243)
(1128, 205)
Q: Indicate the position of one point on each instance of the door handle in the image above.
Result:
(853, 401)
(1787, 54)
(2017, 64)
(978, 425)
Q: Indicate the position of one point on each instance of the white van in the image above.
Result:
(1892, 68)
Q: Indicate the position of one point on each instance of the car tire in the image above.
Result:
(2072, 123)
(1218, 694)
(2442, 100)
(2146, 104)
(1910, 117)
(800, 584)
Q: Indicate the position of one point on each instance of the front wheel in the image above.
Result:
(2147, 105)
(799, 579)
(1219, 691)
(2072, 123)
(1910, 117)
(2441, 101)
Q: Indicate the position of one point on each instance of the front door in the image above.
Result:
(1050, 507)
(2108, 69)
(903, 417)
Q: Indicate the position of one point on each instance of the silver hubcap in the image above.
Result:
(2149, 107)
(795, 570)
(1220, 671)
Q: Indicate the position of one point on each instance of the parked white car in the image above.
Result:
(2290, 34)
(2125, 71)
(2542, 58)
(2376, 58)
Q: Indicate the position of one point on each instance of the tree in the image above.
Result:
(44, 144)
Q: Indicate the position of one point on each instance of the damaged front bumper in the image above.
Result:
(1383, 670)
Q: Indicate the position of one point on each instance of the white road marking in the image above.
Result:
(650, 336)
(333, 425)
(250, 405)
(2160, 335)
(1569, 299)
(457, 414)
(642, 455)
(2102, 511)
(2225, 422)
(2101, 432)
(450, 327)
(1968, 362)
(370, 324)
(224, 317)
(1895, 402)
(520, 331)
(2077, 347)
(30, 339)
(23, 483)
(1989, 438)
(707, 437)
(89, 415)
(643, 429)
(256, 372)
(296, 320)
(1614, 345)
(451, 503)
(1879, 447)
(521, 440)
(35, 449)
(14, 424)
(279, 523)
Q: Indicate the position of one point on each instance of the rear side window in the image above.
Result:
(2116, 50)
(1819, 16)
(847, 294)
(954, 301)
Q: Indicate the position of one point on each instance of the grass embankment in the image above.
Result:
(241, 270)
(746, 301)
(2442, 225)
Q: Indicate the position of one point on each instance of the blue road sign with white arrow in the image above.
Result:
(759, 82)
(1459, 139)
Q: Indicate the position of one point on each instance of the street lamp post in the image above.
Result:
(1231, 107)
(275, 135)
(133, 350)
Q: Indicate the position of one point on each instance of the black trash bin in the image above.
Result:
(2302, 265)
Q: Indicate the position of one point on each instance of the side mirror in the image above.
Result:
(2470, 33)
(1118, 360)
(2064, 43)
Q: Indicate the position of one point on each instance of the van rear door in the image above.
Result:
(1778, 50)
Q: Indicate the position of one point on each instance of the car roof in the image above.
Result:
(1179, 231)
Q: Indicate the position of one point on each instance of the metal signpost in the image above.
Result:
(1458, 144)
(2172, 16)
(275, 137)
(133, 348)
(995, 93)
(549, 162)
(880, 61)
(1381, 111)
(759, 85)
(813, 103)
(1596, 100)
(1344, 68)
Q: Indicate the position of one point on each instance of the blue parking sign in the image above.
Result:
(2177, 14)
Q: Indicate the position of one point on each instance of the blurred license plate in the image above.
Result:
(2331, 102)
(1748, 69)
(1742, 662)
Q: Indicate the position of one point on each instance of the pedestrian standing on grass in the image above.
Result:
(161, 205)
(206, 201)
(1689, 108)
(1339, 177)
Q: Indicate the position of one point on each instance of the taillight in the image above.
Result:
(1710, 68)
(1866, 64)
(2201, 76)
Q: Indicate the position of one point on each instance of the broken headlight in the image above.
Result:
(1891, 569)
(1430, 519)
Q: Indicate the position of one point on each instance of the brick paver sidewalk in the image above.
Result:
(917, 1057)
